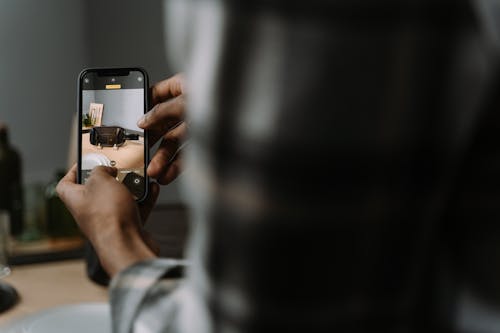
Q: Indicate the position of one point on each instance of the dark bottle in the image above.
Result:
(10, 182)
(60, 223)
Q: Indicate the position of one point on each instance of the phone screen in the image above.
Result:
(111, 101)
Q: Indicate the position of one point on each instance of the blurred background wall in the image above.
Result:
(44, 45)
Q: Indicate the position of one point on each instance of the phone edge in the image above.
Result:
(79, 125)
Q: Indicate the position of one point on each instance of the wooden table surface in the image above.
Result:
(43, 286)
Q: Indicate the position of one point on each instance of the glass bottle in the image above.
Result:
(10, 182)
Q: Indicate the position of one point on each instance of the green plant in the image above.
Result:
(86, 121)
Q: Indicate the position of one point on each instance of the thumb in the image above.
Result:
(67, 184)
(104, 171)
(69, 191)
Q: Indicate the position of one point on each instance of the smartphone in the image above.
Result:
(110, 102)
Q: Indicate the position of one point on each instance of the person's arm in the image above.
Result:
(109, 217)
(113, 222)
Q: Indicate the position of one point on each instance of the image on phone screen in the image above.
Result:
(111, 103)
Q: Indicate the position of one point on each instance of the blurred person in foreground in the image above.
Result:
(343, 171)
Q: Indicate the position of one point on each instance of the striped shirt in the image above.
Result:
(343, 171)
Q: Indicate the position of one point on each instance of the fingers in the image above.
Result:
(166, 120)
(167, 150)
(71, 175)
(167, 89)
(147, 205)
(104, 171)
(177, 134)
(69, 191)
(164, 116)
(67, 183)
(162, 158)
(173, 170)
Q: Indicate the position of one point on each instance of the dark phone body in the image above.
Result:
(123, 73)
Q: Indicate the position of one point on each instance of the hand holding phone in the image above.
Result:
(111, 101)
(166, 125)
(104, 199)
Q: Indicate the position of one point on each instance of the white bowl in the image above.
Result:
(91, 160)
(77, 318)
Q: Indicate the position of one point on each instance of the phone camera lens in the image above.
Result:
(86, 80)
(139, 79)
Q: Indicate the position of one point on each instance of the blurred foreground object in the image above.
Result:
(344, 169)
(34, 212)
(8, 296)
(10, 182)
(4, 242)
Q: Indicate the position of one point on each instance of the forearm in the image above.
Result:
(119, 246)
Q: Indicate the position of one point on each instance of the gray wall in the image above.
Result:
(44, 45)
(121, 107)
(127, 32)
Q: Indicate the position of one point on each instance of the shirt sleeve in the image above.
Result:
(140, 296)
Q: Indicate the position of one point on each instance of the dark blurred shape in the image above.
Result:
(94, 269)
(11, 182)
(345, 174)
(169, 227)
(8, 296)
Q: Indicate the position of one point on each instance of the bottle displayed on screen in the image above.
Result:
(111, 101)
(11, 192)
